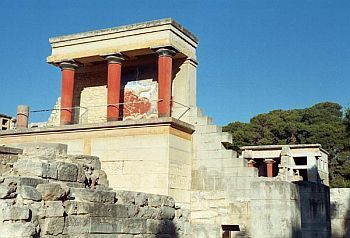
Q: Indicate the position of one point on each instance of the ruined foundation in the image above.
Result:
(46, 193)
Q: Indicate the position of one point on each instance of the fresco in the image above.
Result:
(140, 100)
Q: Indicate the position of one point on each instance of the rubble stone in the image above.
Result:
(52, 191)
(31, 193)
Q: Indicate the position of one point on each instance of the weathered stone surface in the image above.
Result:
(52, 192)
(28, 192)
(167, 213)
(52, 226)
(14, 230)
(14, 213)
(27, 167)
(67, 172)
(50, 170)
(7, 192)
(47, 150)
(96, 209)
(51, 209)
(28, 181)
(150, 213)
(53, 201)
(91, 195)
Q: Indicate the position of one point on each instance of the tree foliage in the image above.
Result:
(324, 123)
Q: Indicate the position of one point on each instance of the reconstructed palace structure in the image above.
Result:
(128, 96)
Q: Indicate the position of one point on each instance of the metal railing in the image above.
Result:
(98, 113)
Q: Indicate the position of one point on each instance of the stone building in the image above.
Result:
(305, 162)
(6, 122)
(129, 97)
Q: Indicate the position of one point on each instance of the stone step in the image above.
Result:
(205, 129)
(216, 154)
(220, 137)
(220, 164)
(205, 120)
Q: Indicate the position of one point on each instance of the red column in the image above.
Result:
(22, 116)
(68, 69)
(269, 167)
(113, 94)
(165, 68)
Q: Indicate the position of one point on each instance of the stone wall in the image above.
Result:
(315, 210)
(275, 210)
(340, 212)
(47, 193)
(151, 156)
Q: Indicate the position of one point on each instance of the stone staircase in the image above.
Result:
(221, 180)
(214, 157)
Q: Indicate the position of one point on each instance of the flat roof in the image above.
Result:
(147, 24)
(279, 147)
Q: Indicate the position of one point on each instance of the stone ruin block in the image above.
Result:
(68, 196)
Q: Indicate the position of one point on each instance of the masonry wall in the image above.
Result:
(340, 212)
(149, 158)
(275, 210)
(315, 210)
(48, 194)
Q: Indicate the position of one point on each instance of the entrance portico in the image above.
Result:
(142, 71)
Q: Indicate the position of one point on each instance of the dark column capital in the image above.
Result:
(269, 161)
(69, 64)
(114, 58)
(166, 51)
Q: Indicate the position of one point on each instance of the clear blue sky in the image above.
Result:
(254, 56)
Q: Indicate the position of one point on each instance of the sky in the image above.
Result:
(254, 55)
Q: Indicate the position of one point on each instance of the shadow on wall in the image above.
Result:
(340, 219)
(167, 229)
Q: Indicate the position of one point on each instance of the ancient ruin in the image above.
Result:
(129, 118)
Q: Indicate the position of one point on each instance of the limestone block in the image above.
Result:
(7, 191)
(20, 230)
(52, 191)
(91, 161)
(52, 226)
(141, 199)
(67, 172)
(27, 181)
(26, 167)
(97, 209)
(158, 200)
(204, 129)
(14, 213)
(77, 225)
(47, 150)
(52, 209)
(28, 192)
(132, 226)
(149, 213)
(167, 212)
(105, 225)
(91, 195)
(125, 197)
(49, 170)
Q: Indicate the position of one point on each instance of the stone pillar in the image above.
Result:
(113, 85)
(22, 116)
(251, 163)
(269, 167)
(68, 70)
(165, 68)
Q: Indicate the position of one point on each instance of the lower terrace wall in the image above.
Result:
(340, 212)
(151, 156)
(50, 194)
